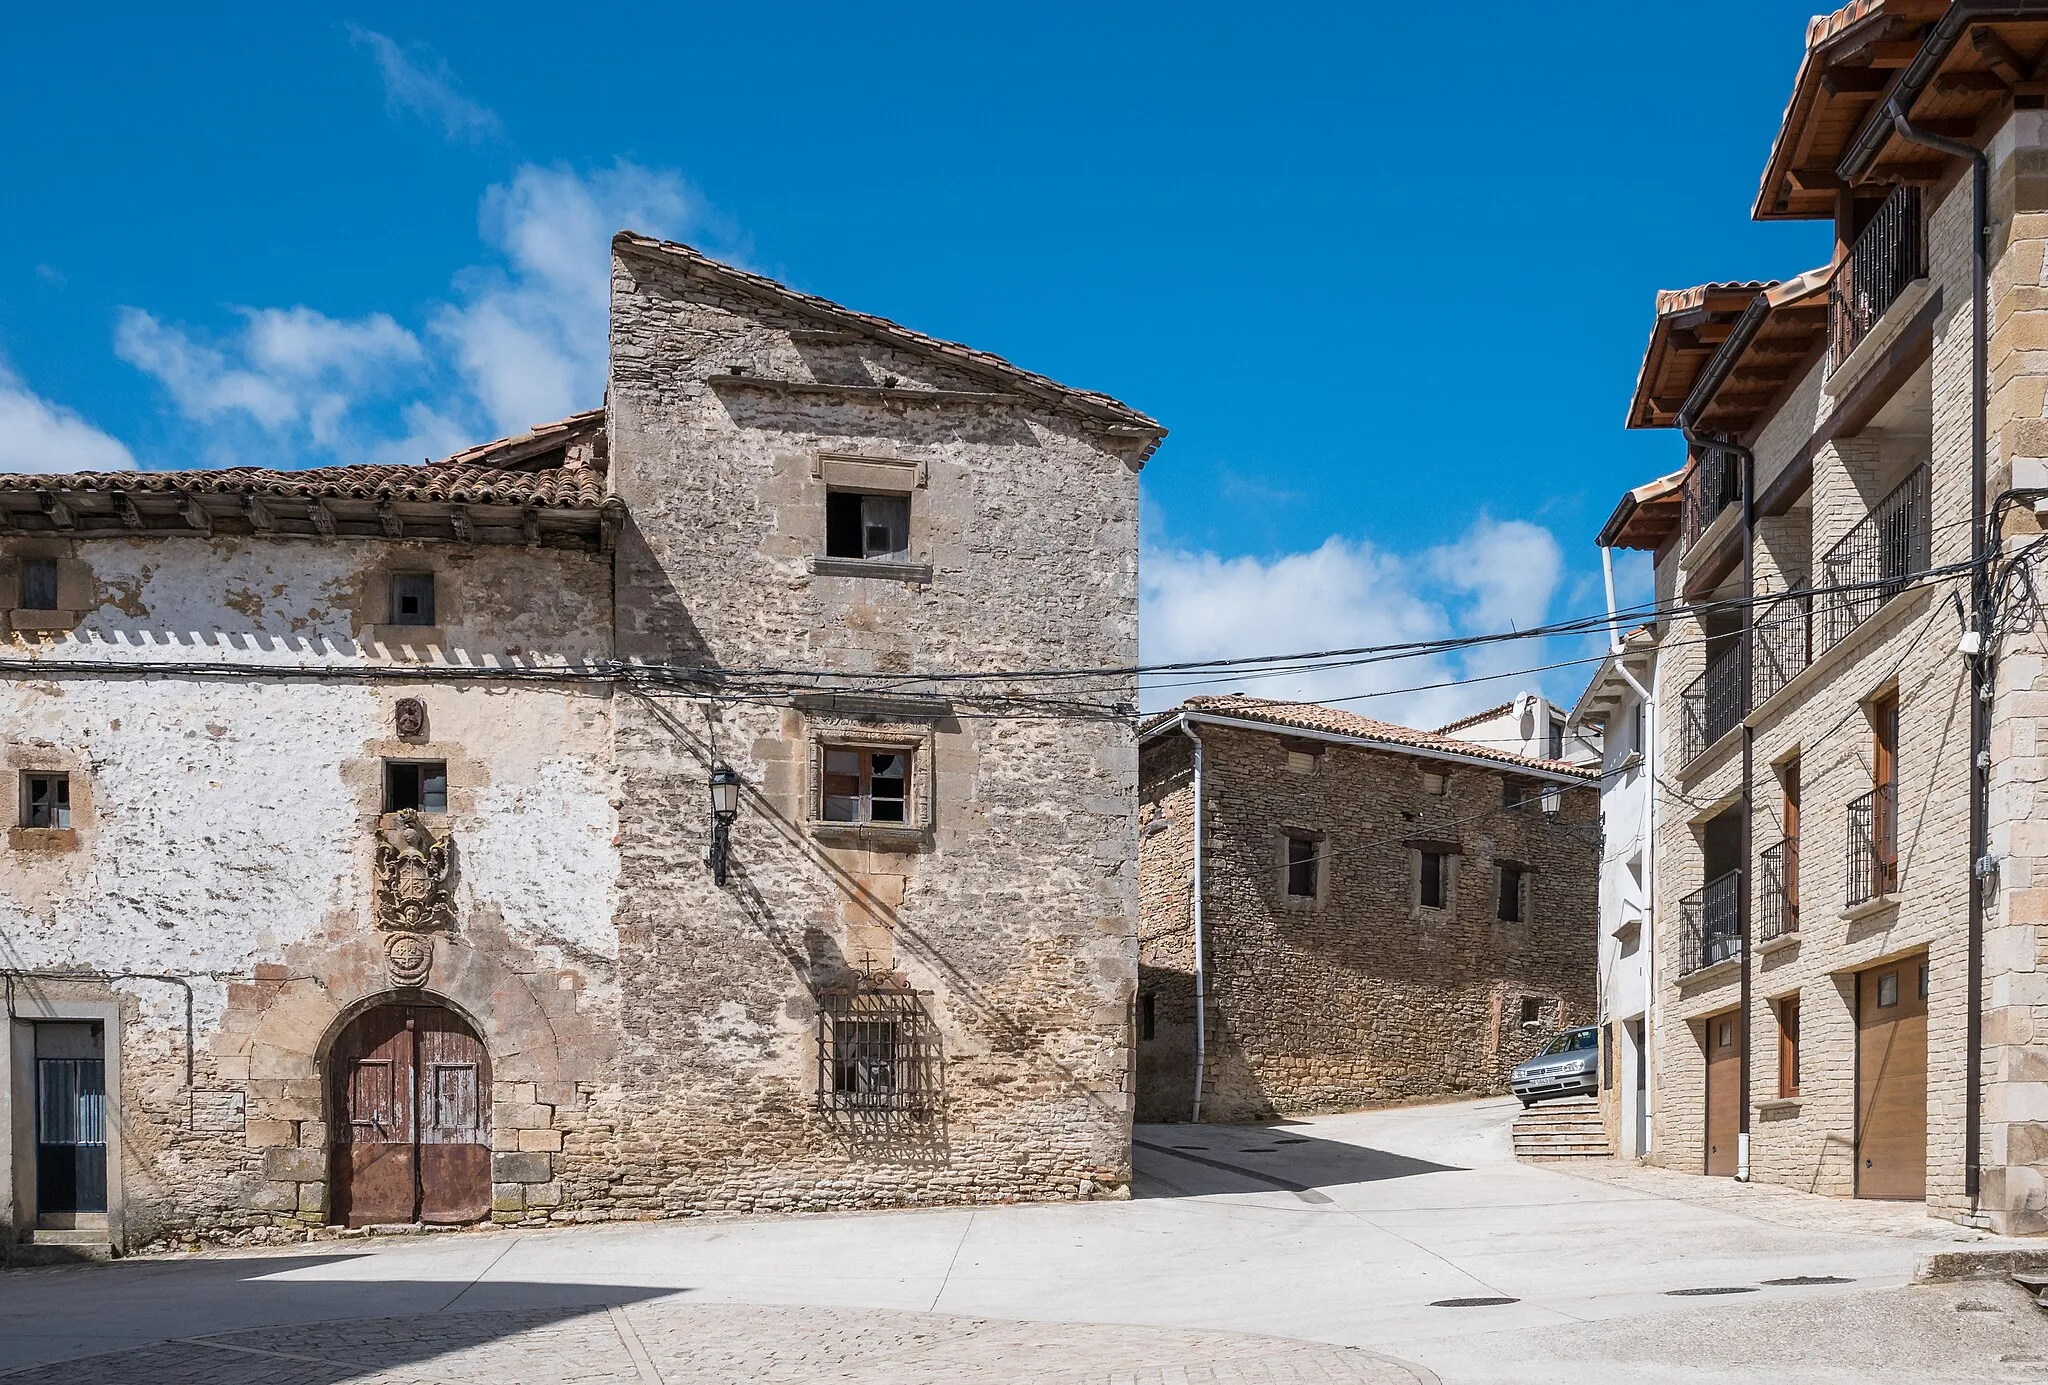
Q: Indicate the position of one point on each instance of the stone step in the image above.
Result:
(47, 1247)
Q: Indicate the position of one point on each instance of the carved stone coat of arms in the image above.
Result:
(415, 893)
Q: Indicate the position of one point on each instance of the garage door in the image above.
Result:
(1724, 1091)
(1891, 1080)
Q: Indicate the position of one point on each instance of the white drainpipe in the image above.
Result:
(1201, 969)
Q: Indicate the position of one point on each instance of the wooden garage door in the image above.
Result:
(1724, 1091)
(1891, 1080)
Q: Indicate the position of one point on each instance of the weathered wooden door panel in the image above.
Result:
(1724, 1092)
(455, 1148)
(1891, 1081)
(412, 1119)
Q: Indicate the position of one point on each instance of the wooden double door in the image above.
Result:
(409, 1088)
(1891, 1080)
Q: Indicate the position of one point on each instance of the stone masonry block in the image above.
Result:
(268, 1134)
(540, 1141)
(295, 1165)
(508, 1197)
(522, 1168)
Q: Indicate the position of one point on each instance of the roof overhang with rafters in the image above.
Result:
(1647, 516)
(1690, 325)
(1955, 69)
(1727, 352)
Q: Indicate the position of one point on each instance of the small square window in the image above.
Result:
(1509, 908)
(1887, 990)
(412, 598)
(46, 800)
(39, 584)
(1432, 891)
(1434, 784)
(416, 784)
(1304, 867)
(1532, 1012)
(1515, 794)
(874, 527)
(863, 786)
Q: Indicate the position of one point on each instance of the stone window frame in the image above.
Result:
(77, 588)
(915, 738)
(373, 619)
(17, 762)
(1302, 755)
(852, 472)
(1283, 839)
(1452, 853)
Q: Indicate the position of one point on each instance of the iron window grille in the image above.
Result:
(1712, 484)
(1875, 560)
(878, 1053)
(1888, 254)
(1710, 923)
(1712, 705)
(1777, 899)
(1873, 842)
(1781, 645)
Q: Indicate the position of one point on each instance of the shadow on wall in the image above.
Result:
(230, 1320)
(1201, 1160)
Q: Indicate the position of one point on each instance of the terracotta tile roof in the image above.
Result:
(1085, 401)
(1313, 716)
(546, 481)
(1670, 301)
(1488, 715)
(1646, 516)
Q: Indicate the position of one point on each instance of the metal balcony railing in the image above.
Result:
(1888, 255)
(1710, 923)
(1874, 845)
(1875, 560)
(1777, 892)
(1711, 705)
(1781, 647)
(1712, 484)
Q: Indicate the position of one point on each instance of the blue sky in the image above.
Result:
(1385, 273)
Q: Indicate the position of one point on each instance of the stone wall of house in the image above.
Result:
(215, 886)
(1008, 907)
(1358, 996)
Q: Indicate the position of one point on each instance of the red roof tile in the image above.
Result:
(1314, 716)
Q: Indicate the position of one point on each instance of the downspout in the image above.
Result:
(1980, 663)
(1195, 914)
(1613, 629)
(1648, 750)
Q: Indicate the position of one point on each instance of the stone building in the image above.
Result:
(1848, 990)
(365, 867)
(1377, 913)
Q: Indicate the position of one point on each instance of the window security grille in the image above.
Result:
(877, 1054)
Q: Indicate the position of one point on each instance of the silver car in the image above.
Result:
(1569, 1065)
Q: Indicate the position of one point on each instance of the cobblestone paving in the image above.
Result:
(681, 1344)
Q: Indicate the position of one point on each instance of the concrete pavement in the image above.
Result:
(1344, 1231)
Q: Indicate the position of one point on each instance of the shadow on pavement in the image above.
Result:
(1198, 1161)
(233, 1320)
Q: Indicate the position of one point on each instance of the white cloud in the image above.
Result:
(529, 337)
(294, 373)
(1346, 594)
(37, 435)
(520, 340)
(417, 80)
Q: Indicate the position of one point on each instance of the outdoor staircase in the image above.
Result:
(1567, 1129)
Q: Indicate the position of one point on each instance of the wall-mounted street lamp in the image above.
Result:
(725, 806)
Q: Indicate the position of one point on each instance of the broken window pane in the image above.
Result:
(421, 785)
(39, 584)
(866, 785)
(412, 598)
(885, 527)
(46, 800)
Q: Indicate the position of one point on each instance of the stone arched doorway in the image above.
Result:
(409, 1118)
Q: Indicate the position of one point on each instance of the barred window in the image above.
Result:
(877, 1052)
